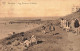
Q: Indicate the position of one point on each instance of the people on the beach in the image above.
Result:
(27, 43)
(51, 27)
(48, 28)
(30, 42)
(76, 25)
(33, 40)
(73, 26)
(65, 24)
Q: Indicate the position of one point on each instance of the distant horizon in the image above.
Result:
(35, 16)
(30, 17)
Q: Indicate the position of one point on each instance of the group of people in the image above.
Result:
(30, 42)
(72, 25)
(48, 28)
(65, 24)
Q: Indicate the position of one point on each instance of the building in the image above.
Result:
(75, 8)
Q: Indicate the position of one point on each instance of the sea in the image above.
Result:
(6, 28)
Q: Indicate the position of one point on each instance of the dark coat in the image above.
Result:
(76, 23)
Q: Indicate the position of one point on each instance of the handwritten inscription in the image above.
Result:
(19, 3)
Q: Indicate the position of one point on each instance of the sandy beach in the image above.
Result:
(57, 40)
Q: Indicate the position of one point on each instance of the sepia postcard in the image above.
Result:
(39, 25)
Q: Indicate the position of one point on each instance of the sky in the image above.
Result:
(36, 8)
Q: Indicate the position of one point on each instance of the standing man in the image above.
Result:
(62, 22)
(76, 25)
